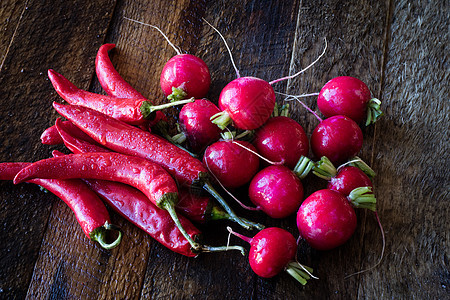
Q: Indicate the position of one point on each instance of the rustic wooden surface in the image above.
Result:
(399, 48)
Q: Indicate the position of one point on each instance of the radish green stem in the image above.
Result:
(363, 197)
(373, 111)
(221, 119)
(298, 73)
(324, 169)
(300, 275)
(177, 94)
(228, 48)
(359, 163)
(178, 51)
(205, 248)
(303, 167)
(179, 138)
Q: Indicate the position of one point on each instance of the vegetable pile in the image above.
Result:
(121, 153)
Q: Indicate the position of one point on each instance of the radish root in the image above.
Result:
(301, 71)
(228, 192)
(228, 48)
(382, 251)
(177, 50)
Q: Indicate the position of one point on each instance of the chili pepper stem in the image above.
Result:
(170, 207)
(147, 108)
(233, 217)
(99, 235)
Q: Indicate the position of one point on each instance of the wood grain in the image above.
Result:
(399, 48)
(47, 34)
(412, 159)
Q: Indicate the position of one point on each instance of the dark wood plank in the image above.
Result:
(355, 48)
(10, 14)
(412, 159)
(51, 34)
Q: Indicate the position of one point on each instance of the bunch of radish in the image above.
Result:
(244, 143)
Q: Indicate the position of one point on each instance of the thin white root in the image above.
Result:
(382, 251)
(301, 71)
(177, 50)
(226, 45)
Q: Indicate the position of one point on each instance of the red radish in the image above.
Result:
(230, 163)
(326, 220)
(187, 73)
(272, 250)
(248, 102)
(350, 97)
(282, 139)
(337, 138)
(184, 75)
(196, 126)
(277, 191)
(347, 179)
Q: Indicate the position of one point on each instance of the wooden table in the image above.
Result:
(399, 48)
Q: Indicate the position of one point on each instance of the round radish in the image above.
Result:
(277, 191)
(347, 179)
(248, 102)
(187, 75)
(272, 250)
(337, 138)
(282, 139)
(196, 126)
(326, 219)
(350, 97)
(230, 163)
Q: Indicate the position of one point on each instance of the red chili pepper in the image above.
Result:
(123, 138)
(109, 78)
(133, 111)
(89, 210)
(114, 84)
(50, 136)
(144, 175)
(196, 208)
(74, 144)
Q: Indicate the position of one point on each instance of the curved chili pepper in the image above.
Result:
(74, 144)
(115, 85)
(133, 111)
(197, 208)
(89, 210)
(144, 175)
(123, 138)
(50, 136)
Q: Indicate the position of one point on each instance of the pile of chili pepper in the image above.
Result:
(115, 157)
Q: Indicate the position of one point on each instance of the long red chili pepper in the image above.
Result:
(133, 111)
(115, 85)
(127, 139)
(75, 144)
(50, 136)
(144, 175)
(197, 208)
(89, 210)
